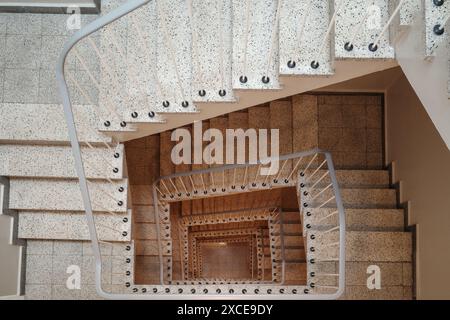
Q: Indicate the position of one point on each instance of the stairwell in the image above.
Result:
(351, 126)
(46, 192)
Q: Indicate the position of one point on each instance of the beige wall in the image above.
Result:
(422, 164)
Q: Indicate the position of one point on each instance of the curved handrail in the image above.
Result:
(68, 113)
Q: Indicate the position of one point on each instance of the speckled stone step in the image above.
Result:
(65, 195)
(212, 47)
(364, 246)
(58, 162)
(433, 14)
(144, 99)
(291, 215)
(73, 226)
(253, 40)
(359, 219)
(301, 40)
(296, 272)
(150, 247)
(29, 123)
(288, 228)
(357, 24)
(352, 178)
(148, 231)
(410, 11)
(356, 198)
(174, 55)
(294, 254)
(385, 293)
(296, 240)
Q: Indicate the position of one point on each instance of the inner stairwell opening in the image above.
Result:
(350, 126)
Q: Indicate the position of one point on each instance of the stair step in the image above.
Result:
(34, 115)
(174, 54)
(289, 261)
(365, 246)
(345, 24)
(360, 219)
(357, 198)
(64, 195)
(291, 215)
(353, 178)
(300, 44)
(254, 62)
(57, 161)
(295, 271)
(296, 222)
(212, 47)
(72, 226)
(288, 234)
(150, 248)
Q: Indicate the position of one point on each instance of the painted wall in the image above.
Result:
(422, 164)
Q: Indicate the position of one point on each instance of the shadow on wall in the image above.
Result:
(11, 252)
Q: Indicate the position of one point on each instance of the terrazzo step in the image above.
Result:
(73, 226)
(410, 11)
(147, 269)
(351, 178)
(434, 14)
(364, 246)
(143, 101)
(355, 198)
(174, 57)
(294, 255)
(288, 228)
(255, 44)
(28, 123)
(357, 24)
(57, 161)
(291, 215)
(300, 42)
(65, 195)
(385, 293)
(211, 26)
(148, 231)
(293, 240)
(295, 272)
(150, 248)
(359, 219)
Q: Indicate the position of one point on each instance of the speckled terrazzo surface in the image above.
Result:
(259, 41)
(435, 15)
(361, 23)
(301, 40)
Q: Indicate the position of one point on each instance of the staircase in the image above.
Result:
(205, 60)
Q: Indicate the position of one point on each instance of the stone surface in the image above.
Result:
(57, 161)
(211, 25)
(31, 123)
(360, 24)
(303, 39)
(63, 195)
(254, 43)
(72, 225)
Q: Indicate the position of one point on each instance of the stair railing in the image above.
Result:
(316, 166)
